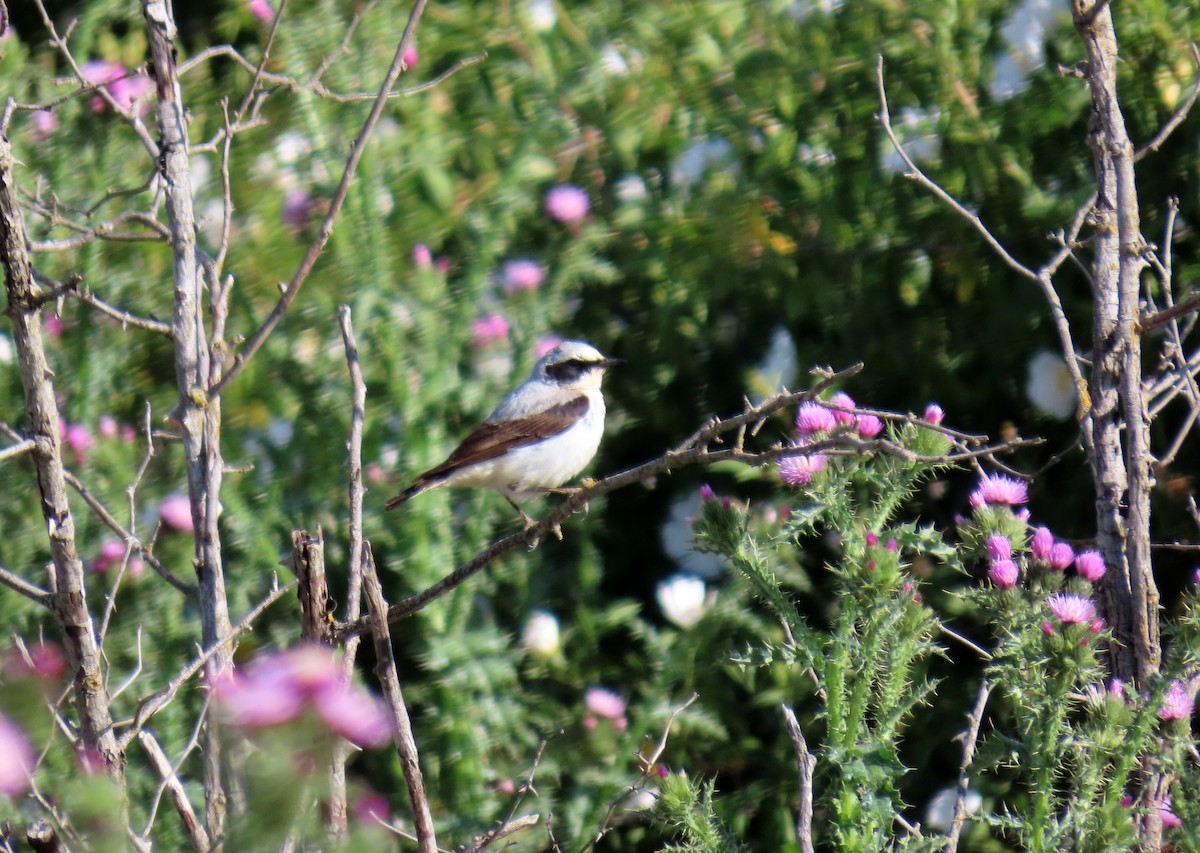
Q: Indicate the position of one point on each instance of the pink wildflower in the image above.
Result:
(872, 539)
(706, 493)
(999, 547)
(43, 123)
(262, 10)
(1090, 565)
(998, 489)
(1072, 609)
(813, 420)
(1061, 556)
(131, 90)
(1003, 573)
(567, 203)
(1177, 703)
(107, 426)
(522, 276)
(843, 408)
(355, 715)
(1040, 545)
(934, 414)
(604, 703)
(410, 57)
(422, 258)
(869, 426)
(371, 808)
(78, 439)
(175, 512)
(799, 470)
(488, 330)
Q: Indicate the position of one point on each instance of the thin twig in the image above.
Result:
(256, 340)
(974, 721)
(806, 763)
(1179, 116)
(191, 824)
(31, 591)
(511, 822)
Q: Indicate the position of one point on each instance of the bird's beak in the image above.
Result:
(611, 362)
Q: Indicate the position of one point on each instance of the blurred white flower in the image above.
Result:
(6, 349)
(279, 432)
(700, 157)
(778, 366)
(612, 62)
(940, 812)
(290, 147)
(631, 188)
(540, 636)
(682, 599)
(642, 801)
(541, 14)
(1050, 387)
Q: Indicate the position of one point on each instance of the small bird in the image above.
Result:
(539, 437)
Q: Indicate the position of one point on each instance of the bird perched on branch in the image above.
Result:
(539, 437)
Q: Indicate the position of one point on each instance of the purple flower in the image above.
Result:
(422, 258)
(1072, 609)
(604, 703)
(410, 57)
(815, 420)
(998, 489)
(869, 426)
(1177, 703)
(1196, 576)
(355, 715)
(16, 759)
(998, 547)
(1040, 545)
(706, 493)
(1090, 565)
(1003, 573)
(175, 512)
(843, 408)
(258, 699)
(298, 207)
(107, 426)
(371, 808)
(78, 439)
(522, 275)
(934, 414)
(1116, 689)
(871, 539)
(567, 203)
(1061, 556)
(131, 89)
(488, 330)
(799, 470)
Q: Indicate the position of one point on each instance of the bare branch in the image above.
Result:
(191, 824)
(1180, 114)
(31, 591)
(385, 670)
(255, 341)
(974, 721)
(16, 450)
(806, 763)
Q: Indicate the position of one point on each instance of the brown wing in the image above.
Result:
(489, 440)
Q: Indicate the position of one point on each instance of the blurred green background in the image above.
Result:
(748, 220)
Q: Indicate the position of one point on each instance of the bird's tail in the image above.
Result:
(410, 492)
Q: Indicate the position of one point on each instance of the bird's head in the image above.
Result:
(574, 365)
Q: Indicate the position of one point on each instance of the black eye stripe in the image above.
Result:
(569, 369)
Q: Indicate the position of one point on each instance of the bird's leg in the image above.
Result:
(530, 523)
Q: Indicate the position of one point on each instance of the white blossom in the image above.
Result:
(541, 636)
(1050, 387)
(682, 599)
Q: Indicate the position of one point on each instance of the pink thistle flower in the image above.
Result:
(42, 124)
(175, 512)
(604, 703)
(112, 553)
(872, 539)
(998, 489)
(590, 723)
(131, 90)
(1196, 576)
(410, 57)
(1177, 703)
(1040, 545)
(256, 700)
(506, 787)
(107, 426)
(310, 669)
(422, 258)
(893, 545)
(1072, 609)
(800, 470)
(545, 344)
(488, 330)
(1061, 556)
(54, 326)
(48, 661)
(869, 426)
(567, 203)
(706, 493)
(1090, 565)
(1116, 689)
(371, 808)
(813, 420)
(262, 10)
(999, 547)
(128, 433)
(1169, 819)
(355, 715)
(934, 414)
(1003, 574)
(1047, 628)
(522, 276)
(843, 408)
(78, 439)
